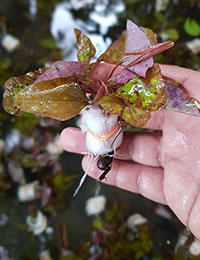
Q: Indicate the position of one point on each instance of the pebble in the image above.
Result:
(163, 212)
(55, 147)
(135, 221)
(38, 224)
(181, 241)
(95, 205)
(16, 171)
(12, 140)
(194, 45)
(27, 192)
(45, 255)
(9, 42)
(194, 248)
(27, 142)
(161, 5)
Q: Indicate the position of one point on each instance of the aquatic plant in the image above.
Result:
(129, 95)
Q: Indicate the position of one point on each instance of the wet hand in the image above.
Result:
(164, 168)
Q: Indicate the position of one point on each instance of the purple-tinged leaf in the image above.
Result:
(63, 240)
(60, 98)
(46, 193)
(142, 67)
(144, 53)
(114, 53)
(63, 69)
(16, 171)
(85, 48)
(16, 84)
(178, 99)
(101, 91)
(136, 39)
(123, 76)
(138, 56)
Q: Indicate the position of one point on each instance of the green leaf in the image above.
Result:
(159, 16)
(130, 114)
(5, 63)
(134, 100)
(62, 181)
(98, 224)
(144, 93)
(49, 43)
(27, 115)
(85, 48)
(115, 52)
(171, 34)
(192, 27)
(60, 98)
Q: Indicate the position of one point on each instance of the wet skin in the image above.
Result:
(163, 168)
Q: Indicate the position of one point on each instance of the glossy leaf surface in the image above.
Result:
(136, 39)
(60, 98)
(59, 91)
(139, 52)
(145, 93)
(16, 84)
(124, 76)
(129, 113)
(137, 97)
(63, 69)
(178, 99)
(140, 55)
(114, 53)
(85, 48)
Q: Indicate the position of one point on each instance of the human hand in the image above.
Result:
(163, 168)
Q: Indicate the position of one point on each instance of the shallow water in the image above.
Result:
(37, 47)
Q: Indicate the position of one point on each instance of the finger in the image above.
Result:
(142, 148)
(73, 140)
(190, 79)
(132, 177)
(194, 219)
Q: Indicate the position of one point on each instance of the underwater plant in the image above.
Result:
(133, 90)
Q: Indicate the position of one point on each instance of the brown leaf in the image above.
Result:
(60, 98)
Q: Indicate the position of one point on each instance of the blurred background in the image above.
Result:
(39, 217)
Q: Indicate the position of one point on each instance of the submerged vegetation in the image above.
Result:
(30, 151)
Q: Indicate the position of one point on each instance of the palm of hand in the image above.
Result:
(180, 156)
(164, 169)
(180, 159)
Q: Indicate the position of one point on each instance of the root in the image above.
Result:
(93, 159)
